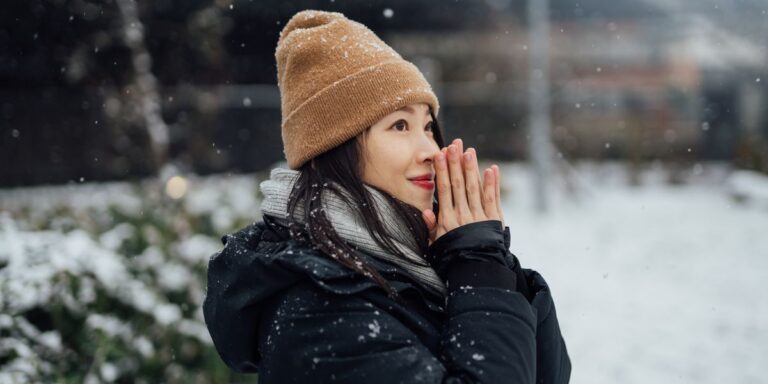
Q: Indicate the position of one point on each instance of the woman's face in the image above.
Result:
(397, 155)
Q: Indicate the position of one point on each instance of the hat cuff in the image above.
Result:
(347, 107)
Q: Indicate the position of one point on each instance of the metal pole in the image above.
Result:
(540, 150)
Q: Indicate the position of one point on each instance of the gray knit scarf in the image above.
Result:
(349, 225)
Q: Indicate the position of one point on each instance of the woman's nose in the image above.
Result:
(427, 150)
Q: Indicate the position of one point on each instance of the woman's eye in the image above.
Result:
(430, 126)
(400, 125)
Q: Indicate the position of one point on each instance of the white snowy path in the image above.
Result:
(656, 284)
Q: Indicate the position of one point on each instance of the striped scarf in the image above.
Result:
(350, 226)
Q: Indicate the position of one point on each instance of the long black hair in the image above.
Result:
(343, 166)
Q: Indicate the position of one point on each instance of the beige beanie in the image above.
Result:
(336, 79)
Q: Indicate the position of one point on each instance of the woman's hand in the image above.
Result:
(463, 197)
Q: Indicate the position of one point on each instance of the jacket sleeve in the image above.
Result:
(489, 334)
(471, 255)
(312, 336)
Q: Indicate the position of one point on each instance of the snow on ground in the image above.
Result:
(656, 283)
(653, 284)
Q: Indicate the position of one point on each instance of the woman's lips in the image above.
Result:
(426, 184)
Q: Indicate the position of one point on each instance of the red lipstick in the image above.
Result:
(424, 181)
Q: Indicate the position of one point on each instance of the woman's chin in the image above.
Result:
(424, 205)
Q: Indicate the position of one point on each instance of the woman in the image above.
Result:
(356, 274)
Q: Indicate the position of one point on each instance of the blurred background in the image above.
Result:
(632, 138)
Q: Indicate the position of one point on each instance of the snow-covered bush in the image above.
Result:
(104, 282)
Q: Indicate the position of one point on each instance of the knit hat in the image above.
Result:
(336, 79)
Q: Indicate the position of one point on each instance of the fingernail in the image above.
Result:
(468, 156)
(451, 149)
(440, 157)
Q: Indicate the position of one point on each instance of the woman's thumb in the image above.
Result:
(431, 221)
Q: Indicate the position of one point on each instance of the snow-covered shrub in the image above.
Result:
(104, 282)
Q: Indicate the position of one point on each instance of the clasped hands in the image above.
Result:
(463, 196)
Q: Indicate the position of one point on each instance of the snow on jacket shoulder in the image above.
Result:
(286, 311)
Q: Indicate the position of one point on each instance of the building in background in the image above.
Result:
(630, 80)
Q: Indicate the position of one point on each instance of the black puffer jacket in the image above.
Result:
(282, 309)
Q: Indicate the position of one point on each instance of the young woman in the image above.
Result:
(382, 256)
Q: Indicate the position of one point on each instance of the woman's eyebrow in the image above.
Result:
(410, 109)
